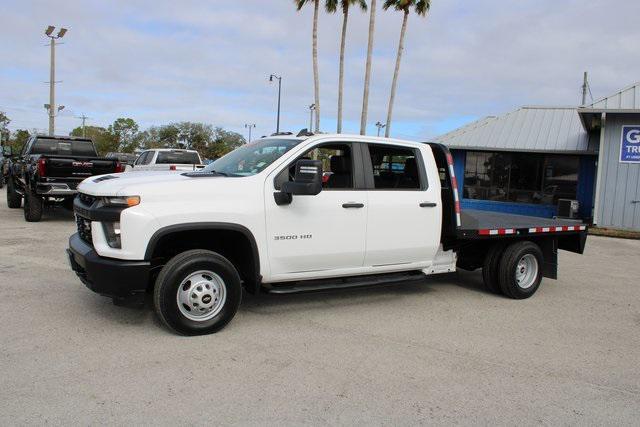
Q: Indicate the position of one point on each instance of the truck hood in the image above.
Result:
(118, 184)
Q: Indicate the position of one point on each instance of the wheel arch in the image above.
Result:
(234, 241)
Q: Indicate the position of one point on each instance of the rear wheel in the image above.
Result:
(490, 268)
(197, 292)
(520, 270)
(33, 205)
(14, 201)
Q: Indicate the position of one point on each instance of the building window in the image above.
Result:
(520, 177)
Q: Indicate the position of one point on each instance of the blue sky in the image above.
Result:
(160, 61)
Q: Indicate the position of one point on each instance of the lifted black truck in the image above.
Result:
(49, 169)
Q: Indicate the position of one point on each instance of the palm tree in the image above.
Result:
(367, 71)
(421, 7)
(316, 77)
(332, 6)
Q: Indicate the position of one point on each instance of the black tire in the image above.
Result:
(14, 200)
(511, 258)
(490, 268)
(33, 205)
(170, 279)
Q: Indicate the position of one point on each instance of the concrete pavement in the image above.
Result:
(441, 352)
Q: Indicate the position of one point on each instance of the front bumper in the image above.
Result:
(110, 277)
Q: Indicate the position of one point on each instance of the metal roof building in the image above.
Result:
(538, 129)
(534, 159)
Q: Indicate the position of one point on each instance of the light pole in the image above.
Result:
(312, 108)
(380, 126)
(52, 77)
(279, 78)
(249, 126)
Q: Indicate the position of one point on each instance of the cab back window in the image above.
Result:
(180, 157)
(56, 147)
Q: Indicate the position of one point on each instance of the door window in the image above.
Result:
(395, 168)
(337, 166)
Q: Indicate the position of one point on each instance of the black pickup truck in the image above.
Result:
(49, 169)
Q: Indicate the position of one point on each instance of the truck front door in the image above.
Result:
(325, 232)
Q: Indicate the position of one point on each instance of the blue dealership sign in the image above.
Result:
(630, 144)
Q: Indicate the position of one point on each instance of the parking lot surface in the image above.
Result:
(443, 351)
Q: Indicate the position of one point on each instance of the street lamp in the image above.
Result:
(279, 78)
(249, 126)
(312, 108)
(52, 76)
(380, 126)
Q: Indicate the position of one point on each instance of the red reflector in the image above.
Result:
(172, 167)
(454, 182)
(119, 167)
(457, 206)
(449, 158)
(42, 167)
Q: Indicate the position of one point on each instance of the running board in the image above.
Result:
(336, 283)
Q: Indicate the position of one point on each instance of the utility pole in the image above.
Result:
(52, 77)
(279, 78)
(585, 88)
(249, 126)
(380, 126)
(83, 118)
(312, 108)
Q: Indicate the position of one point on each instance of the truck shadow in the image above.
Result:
(56, 214)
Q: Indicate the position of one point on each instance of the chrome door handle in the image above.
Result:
(428, 204)
(352, 205)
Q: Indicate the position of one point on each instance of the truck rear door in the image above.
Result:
(404, 210)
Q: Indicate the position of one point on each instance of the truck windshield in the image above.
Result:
(180, 157)
(57, 147)
(252, 158)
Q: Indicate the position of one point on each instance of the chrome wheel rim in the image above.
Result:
(201, 295)
(527, 271)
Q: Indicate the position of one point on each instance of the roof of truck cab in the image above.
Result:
(172, 149)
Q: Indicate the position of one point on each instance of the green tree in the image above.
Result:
(367, 69)
(332, 6)
(421, 8)
(104, 141)
(316, 77)
(17, 140)
(224, 141)
(4, 127)
(125, 130)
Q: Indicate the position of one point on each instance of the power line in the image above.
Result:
(84, 119)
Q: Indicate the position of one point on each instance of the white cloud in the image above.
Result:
(166, 61)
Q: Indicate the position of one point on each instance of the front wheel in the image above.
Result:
(520, 271)
(197, 292)
(33, 206)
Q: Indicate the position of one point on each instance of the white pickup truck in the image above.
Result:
(167, 159)
(263, 219)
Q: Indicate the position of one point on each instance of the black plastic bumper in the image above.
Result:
(110, 277)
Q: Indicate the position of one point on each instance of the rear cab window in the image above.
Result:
(57, 147)
(179, 157)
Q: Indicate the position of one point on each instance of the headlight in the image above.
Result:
(112, 233)
(122, 201)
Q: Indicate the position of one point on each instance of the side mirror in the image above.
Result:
(6, 150)
(307, 182)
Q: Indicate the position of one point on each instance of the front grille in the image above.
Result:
(84, 229)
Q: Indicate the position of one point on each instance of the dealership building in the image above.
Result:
(576, 162)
